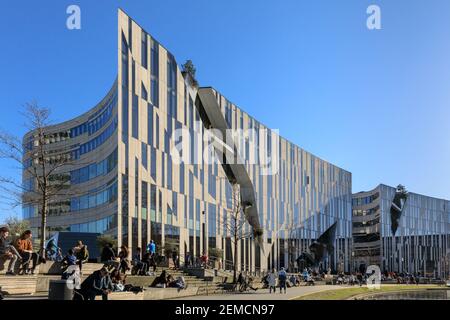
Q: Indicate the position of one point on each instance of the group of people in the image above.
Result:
(21, 251)
(77, 255)
(272, 278)
(165, 280)
(101, 283)
(199, 261)
(140, 263)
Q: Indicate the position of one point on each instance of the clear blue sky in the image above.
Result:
(376, 103)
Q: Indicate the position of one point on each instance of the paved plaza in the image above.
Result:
(263, 294)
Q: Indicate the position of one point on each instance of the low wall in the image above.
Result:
(123, 296)
(152, 294)
(168, 293)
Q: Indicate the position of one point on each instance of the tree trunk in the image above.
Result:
(235, 259)
(43, 235)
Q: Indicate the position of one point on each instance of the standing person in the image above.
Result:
(282, 277)
(204, 260)
(24, 246)
(240, 282)
(187, 260)
(124, 261)
(271, 280)
(7, 251)
(82, 254)
(149, 260)
(175, 259)
(152, 247)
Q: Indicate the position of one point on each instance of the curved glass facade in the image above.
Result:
(421, 242)
(130, 135)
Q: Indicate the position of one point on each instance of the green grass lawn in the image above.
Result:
(343, 294)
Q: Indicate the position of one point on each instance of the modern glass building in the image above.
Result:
(401, 231)
(127, 179)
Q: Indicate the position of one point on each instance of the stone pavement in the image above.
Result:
(263, 294)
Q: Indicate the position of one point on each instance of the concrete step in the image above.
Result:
(18, 284)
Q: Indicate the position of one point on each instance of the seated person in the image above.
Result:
(149, 260)
(250, 283)
(124, 264)
(179, 283)
(82, 253)
(69, 259)
(108, 257)
(24, 246)
(118, 280)
(139, 265)
(160, 281)
(293, 280)
(310, 281)
(204, 260)
(97, 284)
(7, 251)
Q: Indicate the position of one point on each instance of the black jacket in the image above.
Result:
(107, 254)
(93, 282)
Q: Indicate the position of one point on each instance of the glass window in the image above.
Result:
(144, 94)
(153, 164)
(144, 158)
(154, 86)
(144, 50)
(135, 117)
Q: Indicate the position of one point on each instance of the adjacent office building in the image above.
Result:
(125, 179)
(401, 231)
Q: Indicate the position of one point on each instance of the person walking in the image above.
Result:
(271, 280)
(282, 278)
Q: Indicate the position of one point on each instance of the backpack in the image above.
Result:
(282, 276)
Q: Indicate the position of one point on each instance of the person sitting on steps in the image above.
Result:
(24, 246)
(108, 257)
(8, 252)
(82, 254)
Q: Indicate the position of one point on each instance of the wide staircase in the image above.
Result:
(38, 284)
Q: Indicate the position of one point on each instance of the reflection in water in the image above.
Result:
(413, 295)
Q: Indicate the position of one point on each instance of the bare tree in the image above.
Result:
(236, 224)
(292, 230)
(38, 162)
